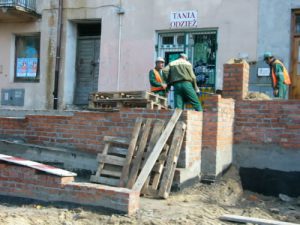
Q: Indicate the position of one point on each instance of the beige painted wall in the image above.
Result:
(127, 49)
(37, 95)
(236, 21)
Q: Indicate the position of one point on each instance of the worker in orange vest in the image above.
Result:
(279, 74)
(158, 84)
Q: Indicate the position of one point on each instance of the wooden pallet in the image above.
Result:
(111, 161)
(110, 104)
(147, 163)
(115, 159)
(156, 152)
(127, 99)
(171, 162)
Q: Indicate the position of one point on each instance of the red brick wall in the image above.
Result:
(263, 122)
(218, 123)
(19, 181)
(236, 80)
(85, 130)
(12, 127)
(193, 142)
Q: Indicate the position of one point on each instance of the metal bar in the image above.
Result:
(26, 4)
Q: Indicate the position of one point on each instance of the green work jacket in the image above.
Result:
(179, 70)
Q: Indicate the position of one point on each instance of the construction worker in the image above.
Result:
(279, 75)
(180, 75)
(158, 85)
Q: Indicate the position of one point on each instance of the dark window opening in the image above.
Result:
(298, 24)
(169, 40)
(89, 29)
(180, 40)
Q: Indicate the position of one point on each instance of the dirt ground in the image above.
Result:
(200, 204)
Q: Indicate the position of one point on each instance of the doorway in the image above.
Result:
(295, 59)
(201, 48)
(87, 61)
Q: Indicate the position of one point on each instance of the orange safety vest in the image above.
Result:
(158, 79)
(286, 75)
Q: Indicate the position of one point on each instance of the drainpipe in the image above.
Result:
(120, 13)
(58, 48)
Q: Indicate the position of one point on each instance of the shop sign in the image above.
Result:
(184, 19)
(263, 72)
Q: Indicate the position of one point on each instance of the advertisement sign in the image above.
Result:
(27, 67)
(184, 19)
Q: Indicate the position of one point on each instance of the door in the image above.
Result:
(295, 59)
(295, 72)
(87, 68)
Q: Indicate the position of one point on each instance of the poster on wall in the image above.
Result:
(27, 67)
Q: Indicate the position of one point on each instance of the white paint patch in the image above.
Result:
(37, 166)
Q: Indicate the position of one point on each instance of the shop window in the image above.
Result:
(180, 39)
(27, 58)
(168, 40)
(201, 48)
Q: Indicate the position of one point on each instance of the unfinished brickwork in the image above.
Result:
(265, 122)
(218, 122)
(85, 130)
(21, 181)
(236, 80)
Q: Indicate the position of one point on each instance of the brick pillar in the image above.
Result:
(189, 161)
(236, 80)
(217, 136)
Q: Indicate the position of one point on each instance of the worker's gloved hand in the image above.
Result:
(276, 92)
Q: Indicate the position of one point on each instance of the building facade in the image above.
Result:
(279, 35)
(73, 48)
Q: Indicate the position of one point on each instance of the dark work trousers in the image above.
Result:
(184, 92)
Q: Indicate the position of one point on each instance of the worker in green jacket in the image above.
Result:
(279, 75)
(180, 75)
(158, 84)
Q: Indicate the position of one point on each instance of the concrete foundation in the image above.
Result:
(266, 157)
(69, 159)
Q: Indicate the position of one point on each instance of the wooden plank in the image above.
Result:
(156, 132)
(107, 172)
(121, 140)
(118, 151)
(111, 159)
(131, 149)
(105, 180)
(100, 167)
(170, 167)
(116, 141)
(161, 161)
(136, 163)
(244, 219)
(157, 150)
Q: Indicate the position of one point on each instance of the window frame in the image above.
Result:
(295, 13)
(35, 79)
